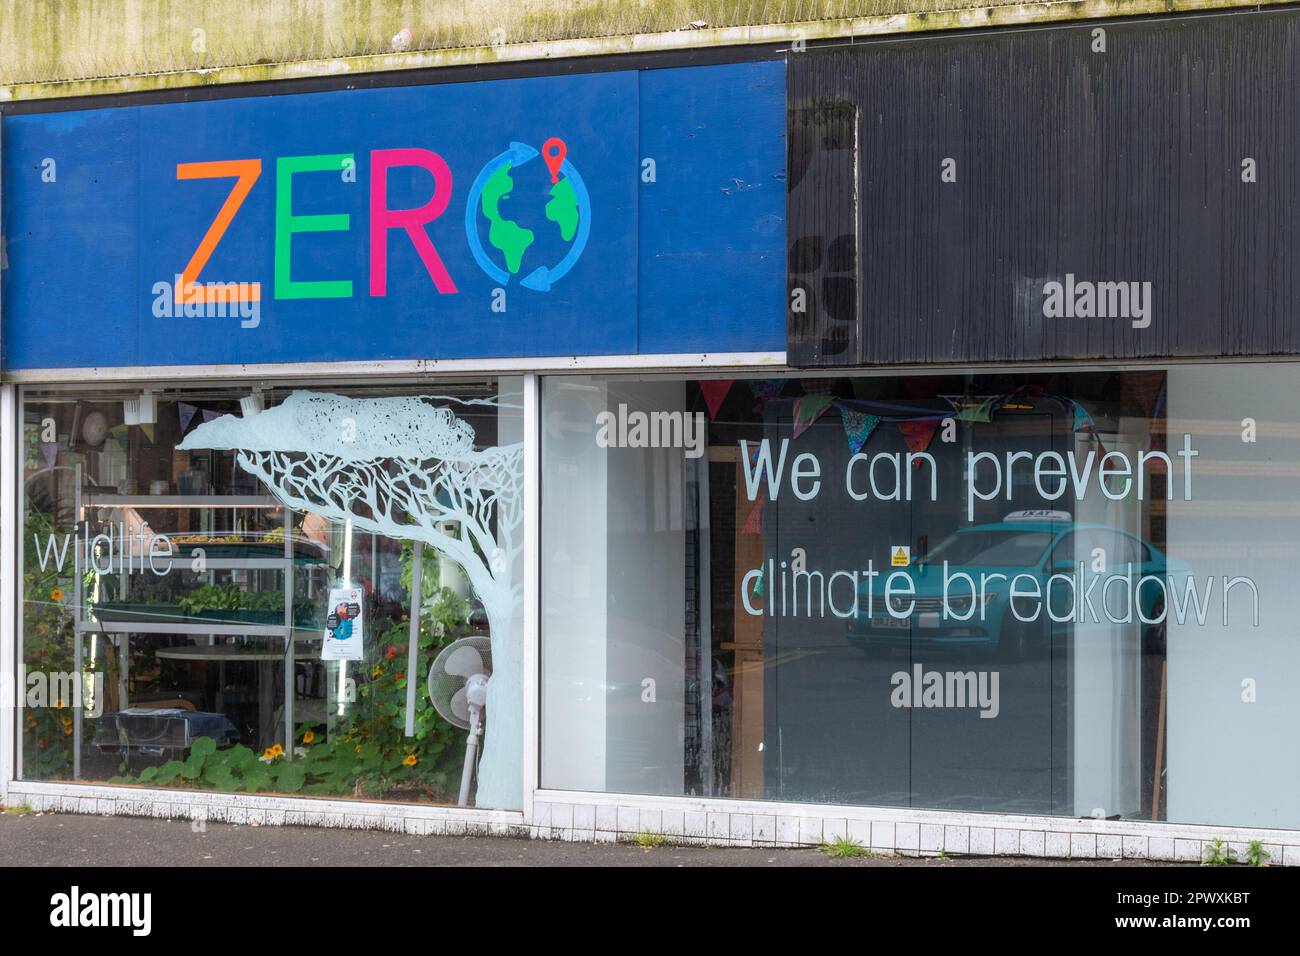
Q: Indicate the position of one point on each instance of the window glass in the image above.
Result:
(306, 591)
(837, 590)
(1063, 553)
(1000, 547)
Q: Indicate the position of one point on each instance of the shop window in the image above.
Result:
(1057, 593)
(297, 591)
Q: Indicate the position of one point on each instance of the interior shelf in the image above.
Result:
(184, 627)
(180, 501)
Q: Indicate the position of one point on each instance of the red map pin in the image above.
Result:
(554, 151)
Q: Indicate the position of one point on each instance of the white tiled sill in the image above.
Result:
(598, 817)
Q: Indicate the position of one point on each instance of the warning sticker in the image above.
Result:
(900, 556)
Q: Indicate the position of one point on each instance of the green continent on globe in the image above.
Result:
(563, 208)
(505, 234)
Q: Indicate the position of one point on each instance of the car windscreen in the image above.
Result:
(1003, 548)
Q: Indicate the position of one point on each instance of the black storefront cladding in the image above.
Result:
(1122, 165)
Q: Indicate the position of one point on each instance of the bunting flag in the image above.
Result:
(1083, 423)
(714, 392)
(1083, 420)
(50, 452)
(765, 389)
(148, 432)
(1158, 411)
(122, 434)
(754, 523)
(209, 416)
(808, 409)
(974, 409)
(858, 427)
(187, 413)
(919, 433)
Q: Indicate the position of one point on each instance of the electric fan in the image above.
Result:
(458, 681)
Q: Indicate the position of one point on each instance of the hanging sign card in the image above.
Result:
(344, 626)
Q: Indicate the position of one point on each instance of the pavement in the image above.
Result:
(59, 839)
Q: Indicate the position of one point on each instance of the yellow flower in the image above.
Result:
(357, 748)
(377, 671)
(268, 753)
(277, 751)
(309, 737)
(56, 595)
(67, 729)
(410, 760)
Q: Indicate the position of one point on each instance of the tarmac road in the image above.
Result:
(51, 839)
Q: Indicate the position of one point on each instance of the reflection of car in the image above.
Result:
(1039, 550)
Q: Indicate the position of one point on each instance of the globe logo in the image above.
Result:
(512, 246)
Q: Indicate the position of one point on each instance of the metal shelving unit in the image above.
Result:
(124, 629)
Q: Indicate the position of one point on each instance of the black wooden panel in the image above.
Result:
(1123, 165)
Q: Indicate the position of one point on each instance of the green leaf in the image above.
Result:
(148, 774)
(254, 780)
(220, 777)
(202, 748)
(290, 777)
(239, 757)
(192, 767)
(393, 762)
(168, 772)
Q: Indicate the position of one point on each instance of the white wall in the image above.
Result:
(1107, 659)
(1232, 762)
(613, 593)
(646, 608)
(573, 585)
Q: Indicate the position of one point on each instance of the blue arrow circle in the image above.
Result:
(542, 278)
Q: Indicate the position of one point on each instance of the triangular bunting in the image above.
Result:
(714, 392)
(919, 433)
(976, 409)
(50, 452)
(754, 523)
(187, 413)
(765, 389)
(808, 409)
(148, 432)
(1083, 420)
(858, 427)
(209, 416)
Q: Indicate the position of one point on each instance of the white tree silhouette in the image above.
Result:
(404, 468)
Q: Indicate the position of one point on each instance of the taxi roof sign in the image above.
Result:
(1040, 514)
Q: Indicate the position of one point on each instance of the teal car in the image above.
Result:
(1038, 551)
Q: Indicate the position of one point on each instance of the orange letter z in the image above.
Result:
(247, 171)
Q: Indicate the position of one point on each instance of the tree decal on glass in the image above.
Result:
(406, 468)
